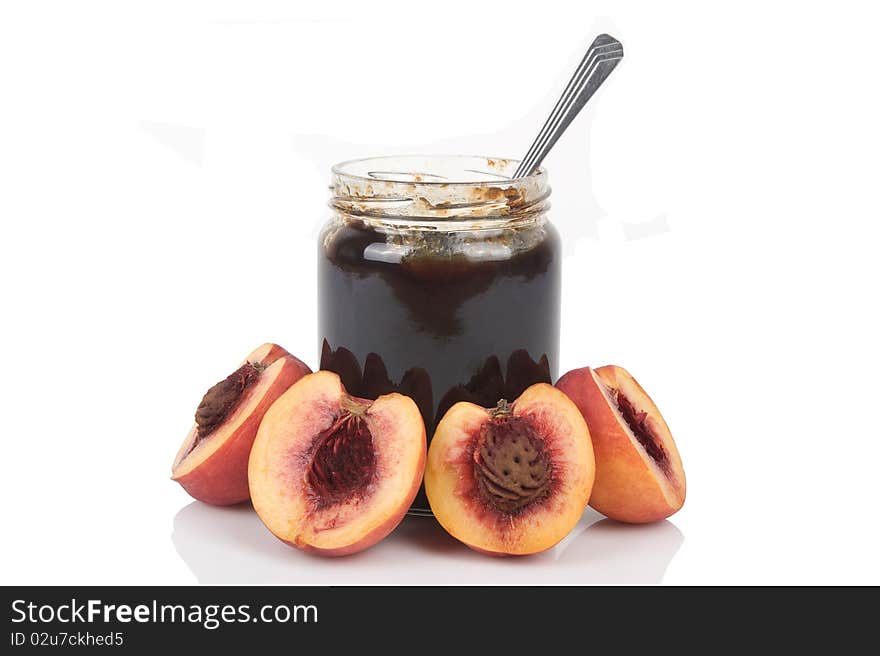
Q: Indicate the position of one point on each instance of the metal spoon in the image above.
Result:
(595, 67)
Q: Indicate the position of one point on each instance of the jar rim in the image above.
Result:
(344, 169)
(437, 189)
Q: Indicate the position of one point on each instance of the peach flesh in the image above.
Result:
(332, 474)
(513, 480)
(639, 476)
(211, 465)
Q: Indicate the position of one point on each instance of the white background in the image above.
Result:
(163, 172)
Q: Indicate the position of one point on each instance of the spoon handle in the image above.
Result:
(601, 58)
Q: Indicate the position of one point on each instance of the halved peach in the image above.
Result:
(211, 465)
(333, 474)
(639, 476)
(512, 480)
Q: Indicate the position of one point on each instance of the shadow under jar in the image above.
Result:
(439, 278)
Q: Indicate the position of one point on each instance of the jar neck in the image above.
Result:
(406, 225)
(438, 193)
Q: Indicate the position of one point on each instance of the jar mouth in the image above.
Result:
(434, 170)
(434, 190)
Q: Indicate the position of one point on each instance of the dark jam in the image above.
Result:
(478, 321)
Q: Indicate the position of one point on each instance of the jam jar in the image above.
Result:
(439, 278)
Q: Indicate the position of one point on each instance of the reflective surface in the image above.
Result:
(230, 545)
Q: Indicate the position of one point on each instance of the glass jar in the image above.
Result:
(439, 278)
